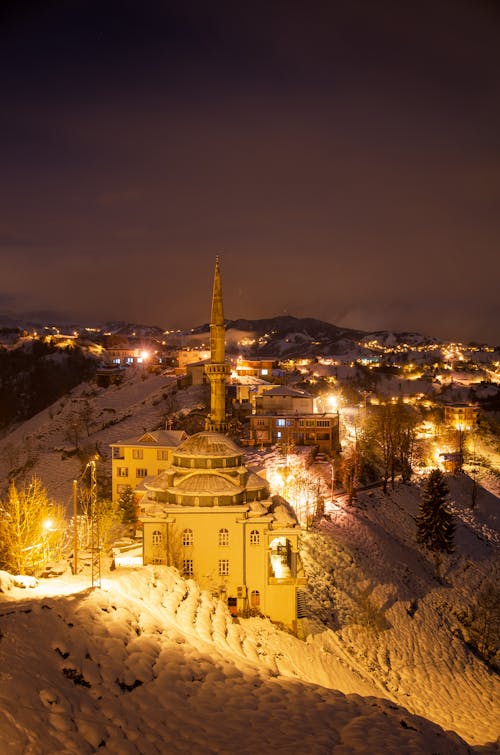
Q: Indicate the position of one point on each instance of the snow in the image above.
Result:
(119, 411)
(150, 664)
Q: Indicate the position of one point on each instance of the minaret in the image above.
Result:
(217, 371)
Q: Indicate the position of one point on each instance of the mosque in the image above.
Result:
(213, 519)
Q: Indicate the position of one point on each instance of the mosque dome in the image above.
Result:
(211, 484)
(208, 450)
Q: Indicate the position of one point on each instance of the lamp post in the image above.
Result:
(94, 525)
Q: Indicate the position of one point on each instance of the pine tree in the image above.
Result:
(435, 526)
(128, 506)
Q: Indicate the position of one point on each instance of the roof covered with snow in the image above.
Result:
(209, 444)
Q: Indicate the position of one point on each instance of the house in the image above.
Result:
(321, 430)
(461, 416)
(260, 368)
(283, 400)
(134, 459)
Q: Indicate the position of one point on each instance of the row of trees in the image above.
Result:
(384, 447)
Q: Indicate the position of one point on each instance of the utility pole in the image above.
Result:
(95, 546)
(75, 527)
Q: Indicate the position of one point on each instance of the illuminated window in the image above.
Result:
(187, 537)
(122, 471)
(280, 423)
(137, 453)
(223, 537)
(157, 538)
(255, 599)
(187, 567)
(223, 567)
(254, 537)
(141, 472)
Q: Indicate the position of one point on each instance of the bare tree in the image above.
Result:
(32, 529)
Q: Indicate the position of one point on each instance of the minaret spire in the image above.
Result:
(217, 332)
(217, 371)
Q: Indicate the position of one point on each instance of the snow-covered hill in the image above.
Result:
(148, 664)
(40, 446)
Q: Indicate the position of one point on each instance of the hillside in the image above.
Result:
(154, 665)
(44, 445)
(148, 664)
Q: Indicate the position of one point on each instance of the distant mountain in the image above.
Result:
(287, 336)
(128, 329)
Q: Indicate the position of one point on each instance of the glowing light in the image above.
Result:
(332, 403)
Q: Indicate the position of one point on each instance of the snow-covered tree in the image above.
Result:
(32, 529)
(435, 526)
(128, 506)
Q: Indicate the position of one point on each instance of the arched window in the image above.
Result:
(254, 537)
(255, 599)
(157, 538)
(223, 537)
(187, 537)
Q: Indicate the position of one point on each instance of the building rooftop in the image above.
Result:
(170, 438)
(209, 444)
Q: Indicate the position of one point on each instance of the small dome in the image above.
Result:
(212, 484)
(208, 444)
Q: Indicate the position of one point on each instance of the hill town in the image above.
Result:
(310, 508)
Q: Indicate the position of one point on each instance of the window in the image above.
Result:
(187, 567)
(279, 434)
(254, 537)
(137, 453)
(280, 423)
(322, 423)
(223, 567)
(162, 455)
(157, 538)
(255, 599)
(264, 371)
(140, 472)
(118, 453)
(223, 537)
(122, 471)
(187, 537)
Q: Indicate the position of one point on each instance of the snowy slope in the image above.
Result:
(120, 411)
(395, 621)
(391, 648)
(149, 664)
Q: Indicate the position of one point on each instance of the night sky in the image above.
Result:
(343, 158)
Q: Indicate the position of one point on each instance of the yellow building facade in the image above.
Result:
(135, 459)
(211, 517)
